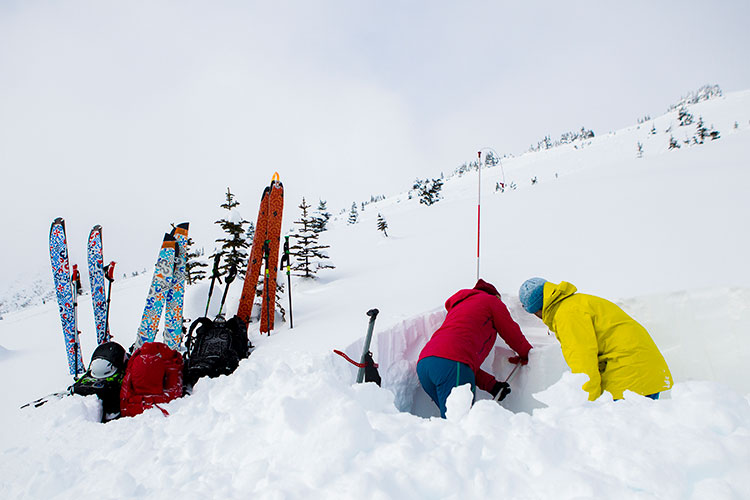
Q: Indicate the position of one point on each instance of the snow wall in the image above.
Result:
(700, 333)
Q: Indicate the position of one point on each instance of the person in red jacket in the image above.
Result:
(458, 348)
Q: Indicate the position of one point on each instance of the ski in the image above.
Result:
(96, 279)
(255, 260)
(175, 296)
(264, 254)
(58, 248)
(273, 235)
(155, 300)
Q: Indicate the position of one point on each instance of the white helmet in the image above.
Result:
(101, 368)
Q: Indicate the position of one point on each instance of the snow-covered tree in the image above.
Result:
(428, 190)
(322, 215)
(382, 224)
(193, 265)
(309, 255)
(702, 131)
(234, 246)
(353, 214)
(685, 117)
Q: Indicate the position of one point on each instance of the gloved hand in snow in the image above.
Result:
(500, 390)
(519, 360)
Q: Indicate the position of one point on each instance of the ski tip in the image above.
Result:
(275, 177)
(96, 229)
(59, 221)
(169, 241)
(181, 229)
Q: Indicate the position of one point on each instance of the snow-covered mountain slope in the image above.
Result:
(664, 235)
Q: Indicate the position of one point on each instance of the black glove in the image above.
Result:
(502, 388)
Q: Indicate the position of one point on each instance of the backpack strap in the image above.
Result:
(198, 322)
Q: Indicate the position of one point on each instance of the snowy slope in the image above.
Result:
(664, 236)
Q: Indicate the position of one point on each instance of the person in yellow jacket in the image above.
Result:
(598, 339)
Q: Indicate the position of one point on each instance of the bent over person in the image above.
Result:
(598, 339)
(458, 348)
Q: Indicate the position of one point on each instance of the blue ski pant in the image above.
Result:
(439, 376)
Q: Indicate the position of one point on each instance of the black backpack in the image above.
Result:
(214, 347)
(104, 378)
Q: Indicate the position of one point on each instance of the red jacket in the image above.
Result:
(468, 332)
(153, 376)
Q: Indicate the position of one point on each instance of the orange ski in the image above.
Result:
(265, 250)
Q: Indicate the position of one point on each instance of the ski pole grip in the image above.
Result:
(373, 313)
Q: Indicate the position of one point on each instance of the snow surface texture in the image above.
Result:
(664, 236)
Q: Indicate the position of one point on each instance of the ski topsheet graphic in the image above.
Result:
(265, 250)
(176, 293)
(58, 251)
(255, 260)
(96, 279)
(160, 283)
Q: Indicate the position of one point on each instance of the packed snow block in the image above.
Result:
(398, 352)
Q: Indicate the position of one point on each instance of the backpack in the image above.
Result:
(153, 376)
(104, 378)
(214, 347)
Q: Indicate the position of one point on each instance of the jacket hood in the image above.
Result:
(553, 295)
(459, 296)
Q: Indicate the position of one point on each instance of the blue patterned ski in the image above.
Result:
(157, 293)
(96, 278)
(58, 252)
(176, 292)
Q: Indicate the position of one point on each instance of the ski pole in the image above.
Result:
(288, 278)
(479, 208)
(228, 281)
(76, 282)
(109, 274)
(372, 313)
(501, 395)
(214, 277)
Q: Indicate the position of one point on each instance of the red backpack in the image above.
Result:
(153, 376)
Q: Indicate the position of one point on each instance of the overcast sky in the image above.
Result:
(137, 114)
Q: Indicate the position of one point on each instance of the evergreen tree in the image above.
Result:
(702, 131)
(353, 214)
(382, 224)
(673, 144)
(194, 267)
(490, 160)
(640, 150)
(309, 255)
(428, 190)
(685, 117)
(322, 216)
(234, 246)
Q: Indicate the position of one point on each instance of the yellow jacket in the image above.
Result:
(600, 340)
